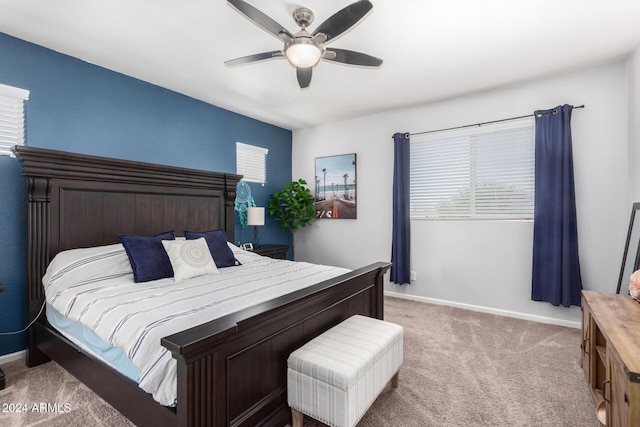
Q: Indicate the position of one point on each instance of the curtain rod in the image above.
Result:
(479, 124)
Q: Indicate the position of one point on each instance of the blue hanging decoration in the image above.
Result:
(243, 201)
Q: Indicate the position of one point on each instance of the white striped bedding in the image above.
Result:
(95, 287)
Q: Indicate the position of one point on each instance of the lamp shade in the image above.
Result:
(255, 216)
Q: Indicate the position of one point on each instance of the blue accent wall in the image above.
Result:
(78, 107)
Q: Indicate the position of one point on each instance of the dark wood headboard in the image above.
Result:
(76, 200)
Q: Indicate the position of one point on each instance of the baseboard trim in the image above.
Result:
(490, 310)
(22, 354)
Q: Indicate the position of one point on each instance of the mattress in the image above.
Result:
(88, 341)
(104, 309)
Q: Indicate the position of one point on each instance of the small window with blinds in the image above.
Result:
(483, 172)
(251, 162)
(12, 118)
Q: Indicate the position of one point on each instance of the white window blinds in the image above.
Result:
(12, 128)
(251, 162)
(484, 172)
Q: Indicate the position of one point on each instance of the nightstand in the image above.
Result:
(272, 251)
(2, 382)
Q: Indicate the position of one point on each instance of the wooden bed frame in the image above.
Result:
(231, 371)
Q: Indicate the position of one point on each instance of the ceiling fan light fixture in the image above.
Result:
(303, 53)
(304, 50)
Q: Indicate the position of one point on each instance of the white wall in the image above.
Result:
(633, 71)
(486, 264)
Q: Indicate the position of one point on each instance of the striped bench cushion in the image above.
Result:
(335, 377)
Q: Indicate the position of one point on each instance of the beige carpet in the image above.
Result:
(461, 368)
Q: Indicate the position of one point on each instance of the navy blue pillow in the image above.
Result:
(217, 242)
(147, 256)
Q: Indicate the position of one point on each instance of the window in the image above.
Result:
(480, 172)
(12, 127)
(251, 162)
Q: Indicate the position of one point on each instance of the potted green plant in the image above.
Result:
(294, 207)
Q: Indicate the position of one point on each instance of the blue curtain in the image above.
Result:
(400, 242)
(556, 267)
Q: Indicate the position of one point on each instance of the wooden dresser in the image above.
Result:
(611, 356)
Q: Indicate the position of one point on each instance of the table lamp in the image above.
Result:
(255, 217)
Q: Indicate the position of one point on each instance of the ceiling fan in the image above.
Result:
(304, 50)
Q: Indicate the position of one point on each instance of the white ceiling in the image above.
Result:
(432, 49)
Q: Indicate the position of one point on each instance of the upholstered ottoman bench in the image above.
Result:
(335, 377)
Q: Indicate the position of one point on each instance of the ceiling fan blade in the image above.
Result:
(304, 76)
(260, 19)
(255, 57)
(352, 58)
(344, 19)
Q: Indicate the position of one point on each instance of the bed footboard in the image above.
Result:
(232, 371)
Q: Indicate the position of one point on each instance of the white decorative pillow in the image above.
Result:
(189, 258)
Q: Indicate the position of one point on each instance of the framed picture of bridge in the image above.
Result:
(335, 187)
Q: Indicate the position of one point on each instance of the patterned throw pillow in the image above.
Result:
(189, 258)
